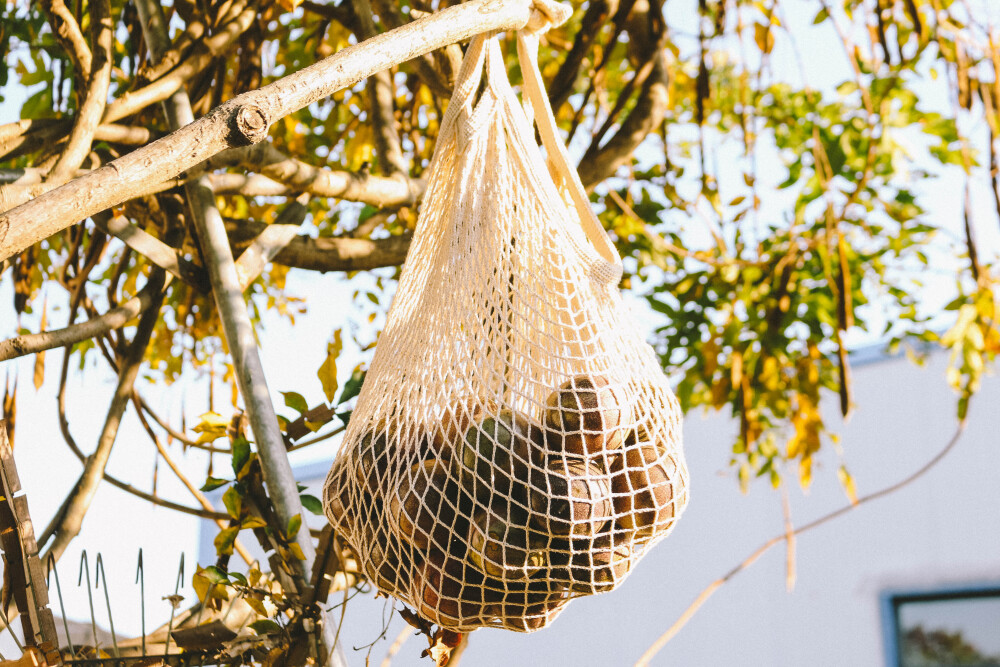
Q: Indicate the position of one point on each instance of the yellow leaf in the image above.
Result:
(328, 370)
(39, 375)
(296, 550)
(848, 483)
(257, 606)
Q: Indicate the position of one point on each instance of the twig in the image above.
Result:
(715, 585)
(98, 83)
(66, 524)
(194, 490)
(396, 645)
(116, 318)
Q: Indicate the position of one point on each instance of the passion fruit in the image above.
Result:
(569, 498)
(642, 485)
(589, 414)
(457, 421)
(451, 594)
(593, 565)
(503, 547)
(423, 505)
(390, 563)
(495, 457)
(372, 461)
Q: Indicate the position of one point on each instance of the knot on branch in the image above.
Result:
(250, 125)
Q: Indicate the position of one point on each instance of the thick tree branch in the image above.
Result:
(378, 191)
(344, 254)
(245, 119)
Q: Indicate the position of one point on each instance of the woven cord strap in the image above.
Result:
(533, 90)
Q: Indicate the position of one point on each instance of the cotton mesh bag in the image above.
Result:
(515, 444)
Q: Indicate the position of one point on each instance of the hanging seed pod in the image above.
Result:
(423, 505)
(450, 593)
(495, 457)
(589, 414)
(569, 497)
(503, 546)
(642, 486)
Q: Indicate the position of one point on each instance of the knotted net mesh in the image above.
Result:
(515, 444)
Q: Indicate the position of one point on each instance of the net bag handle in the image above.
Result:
(610, 269)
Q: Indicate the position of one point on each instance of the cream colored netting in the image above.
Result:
(515, 443)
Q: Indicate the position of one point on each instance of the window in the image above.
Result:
(944, 628)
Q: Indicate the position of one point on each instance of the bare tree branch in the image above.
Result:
(153, 249)
(67, 523)
(600, 162)
(245, 119)
(381, 96)
(98, 83)
(67, 33)
(18, 346)
(162, 88)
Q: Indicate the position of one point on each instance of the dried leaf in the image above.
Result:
(328, 370)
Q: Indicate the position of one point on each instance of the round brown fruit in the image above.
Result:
(589, 414)
(495, 455)
(450, 594)
(423, 505)
(372, 462)
(569, 497)
(597, 565)
(643, 489)
(503, 547)
(457, 421)
(389, 562)
(531, 615)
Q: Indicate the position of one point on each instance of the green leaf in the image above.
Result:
(353, 386)
(295, 401)
(241, 454)
(312, 504)
(265, 626)
(212, 483)
(293, 526)
(233, 502)
(254, 522)
(328, 370)
(238, 578)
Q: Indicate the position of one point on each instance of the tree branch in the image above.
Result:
(67, 523)
(245, 119)
(98, 83)
(18, 346)
(600, 162)
(67, 33)
(381, 97)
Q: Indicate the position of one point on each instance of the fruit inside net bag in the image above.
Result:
(515, 444)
